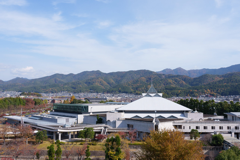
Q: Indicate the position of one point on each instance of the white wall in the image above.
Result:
(195, 116)
(103, 108)
(114, 116)
(209, 125)
(165, 125)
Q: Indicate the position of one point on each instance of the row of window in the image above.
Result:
(213, 127)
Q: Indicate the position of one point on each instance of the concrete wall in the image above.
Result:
(114, 116)
(165, 125)
(195, 116)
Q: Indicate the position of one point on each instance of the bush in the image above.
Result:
(217, 140)
(232, 153)
(94, 143)
(81, 143)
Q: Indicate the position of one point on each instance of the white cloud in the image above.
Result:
(63, 1)
(104, 24)
(13, 2)
(57, 16)
(218, 3)
(23, 70)
(182, 44)
(18, 23)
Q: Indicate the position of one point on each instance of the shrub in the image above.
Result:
(100, 137)
(94, 143)
(217, 140)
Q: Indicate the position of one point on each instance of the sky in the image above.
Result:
(43, 37)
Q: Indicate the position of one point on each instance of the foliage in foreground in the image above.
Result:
(231, 154)
(169, 145)
(113, 148)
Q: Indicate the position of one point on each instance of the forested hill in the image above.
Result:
(199, 72)
(131, 82)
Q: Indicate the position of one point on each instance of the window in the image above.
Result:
(213, 127)
(205, 127)
(228, 127)
(197, 127)
(221, 127)
(237, 127)
(183, 127)
(189, 127)
(130, 126)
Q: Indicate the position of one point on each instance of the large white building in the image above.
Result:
(151, 112)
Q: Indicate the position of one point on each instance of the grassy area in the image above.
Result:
(136, 143)
(98, 147)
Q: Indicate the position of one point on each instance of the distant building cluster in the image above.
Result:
(121, 97)
(234, 98)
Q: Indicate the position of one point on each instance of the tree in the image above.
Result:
(86, 133)
(99, 120)
(72, 98)
(112, 148)
(41, 136)
(58, 151)
(67, 152)
(132, 135)
(15, 131)
(66, 101)
(81, 151)
(33, 150)
(89, 133)
(3, 131)
(87, 154)
(27, 132)
(230, 154)
(169, 145)
(81, 134)
(207, 138)
(127, 154)
(194, 134)
(217, 140)
(51, 152)
(16, 149)
(122, 134)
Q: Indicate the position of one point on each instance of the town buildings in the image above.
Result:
(151, 112)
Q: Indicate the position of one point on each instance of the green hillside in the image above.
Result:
(131, 82)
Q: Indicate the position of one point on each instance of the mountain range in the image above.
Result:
(136, 82)
(223, 81)
(200, 72)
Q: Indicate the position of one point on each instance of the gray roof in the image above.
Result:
(153, 104)
(233, 114)
(34, 121)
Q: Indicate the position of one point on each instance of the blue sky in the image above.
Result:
(42, 37)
